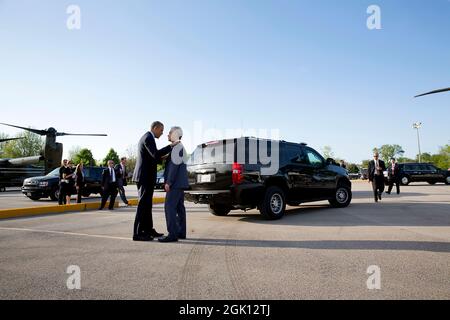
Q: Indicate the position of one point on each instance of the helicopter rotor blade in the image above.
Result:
(9, 139)
(433, 92)
(39, 132)
(60, 134)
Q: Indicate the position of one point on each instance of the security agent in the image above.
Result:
(393, 176)
(109, 186)
(376, 176)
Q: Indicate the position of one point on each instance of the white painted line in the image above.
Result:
(66, 233)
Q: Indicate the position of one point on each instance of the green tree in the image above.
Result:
(352, 168)
(3, 144)
(112, 155)
(405, 160)
(327, 152)
(84, 156)
(387, 151)
(31, 145)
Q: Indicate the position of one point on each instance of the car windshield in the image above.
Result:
(53, 173)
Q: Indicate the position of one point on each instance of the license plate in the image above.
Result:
(206, 178)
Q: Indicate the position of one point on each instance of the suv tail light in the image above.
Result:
(237, 173)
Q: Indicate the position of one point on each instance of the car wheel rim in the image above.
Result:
(405, 180)
(341, 195)
(448, 180)
(276, 203)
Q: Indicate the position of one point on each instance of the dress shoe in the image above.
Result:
(155, 234)
(182, 237)
(167, 239)
(142, 238)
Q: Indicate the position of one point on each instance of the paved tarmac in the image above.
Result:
(13, 198)
(314, 252)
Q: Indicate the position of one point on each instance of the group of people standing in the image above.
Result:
(71, 178)
(114, 178)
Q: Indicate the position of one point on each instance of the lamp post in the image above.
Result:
(417, 126)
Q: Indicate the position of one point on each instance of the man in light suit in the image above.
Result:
(176, 181)
(376, 175)
(145, 177)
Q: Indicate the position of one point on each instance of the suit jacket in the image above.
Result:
(107, 178)
(122, 177)
(175, 173)
(147, 160)
(371, 170)
(79, 180)
(393, 173)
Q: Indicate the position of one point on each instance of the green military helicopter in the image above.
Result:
(14, 171)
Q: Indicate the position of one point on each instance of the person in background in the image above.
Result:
(62, 183)
(122, 174)
(393, 176)
(376, 176)
(176, 181)
(79, 181)
(109, 186)
(69, 175)
(343, 165)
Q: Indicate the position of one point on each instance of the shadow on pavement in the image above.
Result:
(328, 244)
(360, 214)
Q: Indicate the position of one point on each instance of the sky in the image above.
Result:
(309, 71)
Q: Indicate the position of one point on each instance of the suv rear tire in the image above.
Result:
(273, 204)
(342, 197)
(219, 210)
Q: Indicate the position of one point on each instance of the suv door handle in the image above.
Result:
(294, 174)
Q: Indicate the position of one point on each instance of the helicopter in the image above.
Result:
(14, 171)
(433, 92)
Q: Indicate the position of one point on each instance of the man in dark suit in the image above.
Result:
(122, 174)
(376, 175)
(176, 181)
(109, 186)
(145, 177)
(393, 176)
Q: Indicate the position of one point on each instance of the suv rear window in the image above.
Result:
(216, 152)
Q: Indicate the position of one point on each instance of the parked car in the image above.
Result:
(303, 175)
(159, 180)
(422, 172)
(48, 186)
(364, 173)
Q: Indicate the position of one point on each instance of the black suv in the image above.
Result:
(422, 172)
(48, 186)
(227, 178)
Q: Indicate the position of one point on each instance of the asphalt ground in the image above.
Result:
(13, 198)
(314, 252)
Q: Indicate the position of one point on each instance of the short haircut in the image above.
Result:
(157, 124)
(123, 158)
(177, 131)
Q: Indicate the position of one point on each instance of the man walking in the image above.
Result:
(393, 176)
(376, 176)
(109, 185)
(122, 174)
(145, 177)
(176, 181)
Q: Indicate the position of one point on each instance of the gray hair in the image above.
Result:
(157, 124)
(177, 131)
